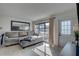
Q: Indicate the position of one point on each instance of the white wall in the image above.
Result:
(69, 14)
(5, 23)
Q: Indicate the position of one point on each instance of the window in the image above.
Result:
(41, 27)
(47, 27)
(43, 30)
(66, 27)
(36, 28)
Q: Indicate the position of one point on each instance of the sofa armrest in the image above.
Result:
(6, 37)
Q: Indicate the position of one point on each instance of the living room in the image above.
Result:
(35, 29)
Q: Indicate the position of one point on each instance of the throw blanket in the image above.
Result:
(26, 39)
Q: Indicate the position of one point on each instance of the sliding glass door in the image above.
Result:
(43, 30)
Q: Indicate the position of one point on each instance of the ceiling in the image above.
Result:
(33, 10)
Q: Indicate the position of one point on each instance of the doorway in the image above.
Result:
(64, 32)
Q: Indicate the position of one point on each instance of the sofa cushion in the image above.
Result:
(11, 34)
(26, 39)
(23, 33)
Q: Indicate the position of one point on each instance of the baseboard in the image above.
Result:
(11, 45)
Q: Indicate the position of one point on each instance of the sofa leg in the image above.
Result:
(23, 47)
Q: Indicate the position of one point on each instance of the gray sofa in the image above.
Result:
(34, 40)
(10, 38)
(21, 38)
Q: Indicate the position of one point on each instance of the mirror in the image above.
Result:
(20, 26)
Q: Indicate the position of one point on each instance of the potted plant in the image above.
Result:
(77, 40)
(77, 36)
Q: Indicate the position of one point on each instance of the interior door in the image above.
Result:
(65, 32)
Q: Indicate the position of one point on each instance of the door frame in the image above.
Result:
(59, 28)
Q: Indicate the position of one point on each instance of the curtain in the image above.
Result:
(51, 30)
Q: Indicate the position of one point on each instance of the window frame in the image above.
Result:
(44, 29)
(66, 30)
